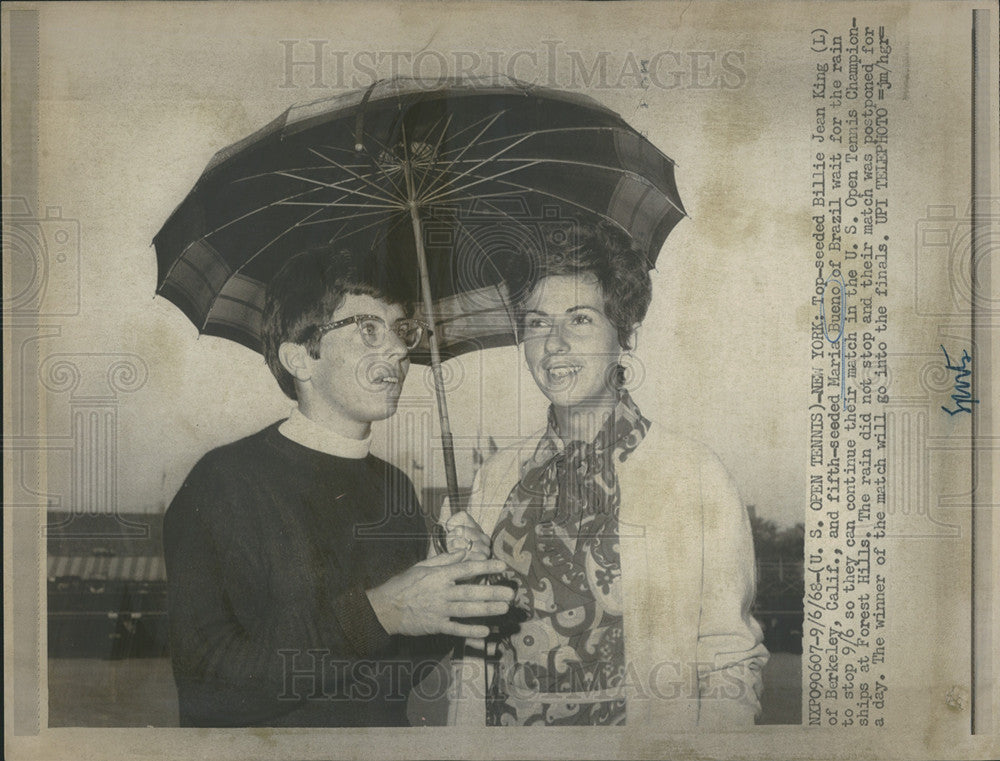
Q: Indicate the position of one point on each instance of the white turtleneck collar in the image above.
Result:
(308, 433)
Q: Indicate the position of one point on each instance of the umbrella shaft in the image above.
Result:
(447, 441)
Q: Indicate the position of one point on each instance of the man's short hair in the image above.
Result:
(305, 293)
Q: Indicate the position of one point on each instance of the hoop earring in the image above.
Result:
(630, 371)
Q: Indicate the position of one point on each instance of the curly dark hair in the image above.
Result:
(305, 293)
(603, 250)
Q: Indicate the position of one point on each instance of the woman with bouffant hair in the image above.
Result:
(628, 546)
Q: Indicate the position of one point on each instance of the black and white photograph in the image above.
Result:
(418, 380)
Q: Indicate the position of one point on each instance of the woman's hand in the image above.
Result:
(464, 534)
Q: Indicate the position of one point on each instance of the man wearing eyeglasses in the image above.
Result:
(299, 592)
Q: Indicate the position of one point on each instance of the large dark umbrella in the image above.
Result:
(451, 186)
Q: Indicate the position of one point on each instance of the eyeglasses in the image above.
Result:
(373, 329)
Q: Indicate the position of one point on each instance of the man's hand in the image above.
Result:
(463, 533)
(424, 599)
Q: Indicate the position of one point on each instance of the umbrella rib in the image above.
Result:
(347, 217)
(378, 142)
(337, 202)
(520, 137)
(488, 121)
(277, 237)
(259, 209)
(339, 205)
(635, 176)
(215, 298)
(362, 229)
(340, 185)
(400, 193)
(341, 229)
(481, 162)
(384, 172)
(468, 145)
(384, 233)
(561, 130)
(574, 162)
(447, 191)
(506, 214)
(363, 179)
(437, 147)
(517, 187)
(444, 130)
(475, 125)
(286, 201)
(536, 161)
(316, 167)
(348, 193)
(293, 172)
(479, 247)
(520, 222)
(337, 148)
(516, 136)
(615, 222)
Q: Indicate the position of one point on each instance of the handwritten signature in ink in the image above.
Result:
(963, 389)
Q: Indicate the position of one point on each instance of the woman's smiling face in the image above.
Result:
(570, 345)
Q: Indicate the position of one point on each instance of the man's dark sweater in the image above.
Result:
(269, 547)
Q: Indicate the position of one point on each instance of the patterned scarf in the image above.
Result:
(558, 534)
(578, 480)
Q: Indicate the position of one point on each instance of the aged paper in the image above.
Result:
(824, 320)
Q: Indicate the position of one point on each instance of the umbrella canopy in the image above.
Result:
(490, 168)
(448, 191)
